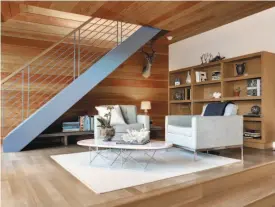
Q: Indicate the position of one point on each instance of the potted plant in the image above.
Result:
(107, 131)
(237, 91)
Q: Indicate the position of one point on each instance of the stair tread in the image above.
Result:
(240, 196)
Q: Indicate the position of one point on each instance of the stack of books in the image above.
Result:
(70, 126)
(252, 134)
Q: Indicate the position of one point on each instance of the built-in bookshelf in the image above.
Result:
(259, 65)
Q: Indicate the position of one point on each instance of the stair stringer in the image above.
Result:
(30, 128)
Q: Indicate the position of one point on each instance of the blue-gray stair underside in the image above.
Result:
(29, 129)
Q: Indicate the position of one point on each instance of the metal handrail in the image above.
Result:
(45, 51)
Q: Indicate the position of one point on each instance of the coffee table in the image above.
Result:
(123, 151)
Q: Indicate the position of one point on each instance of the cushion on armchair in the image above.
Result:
(230, 110)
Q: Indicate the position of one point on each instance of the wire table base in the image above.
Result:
(123, 154)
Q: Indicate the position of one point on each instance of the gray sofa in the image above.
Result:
(132, 119)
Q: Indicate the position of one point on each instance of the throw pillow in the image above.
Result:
(116, 115)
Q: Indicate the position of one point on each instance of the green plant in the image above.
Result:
(106, 122)
(237, 89)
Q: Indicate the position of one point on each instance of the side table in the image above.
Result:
(156, 132)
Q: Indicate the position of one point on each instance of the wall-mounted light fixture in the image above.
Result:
(169, 37)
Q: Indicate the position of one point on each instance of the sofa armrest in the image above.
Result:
(217, 131)
(179, 120)
(145, 120)
(96, 128)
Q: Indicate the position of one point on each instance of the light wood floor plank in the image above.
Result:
(32, 178)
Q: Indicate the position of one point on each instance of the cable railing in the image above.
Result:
(34, 84)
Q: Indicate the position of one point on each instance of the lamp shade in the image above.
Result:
(145, 105)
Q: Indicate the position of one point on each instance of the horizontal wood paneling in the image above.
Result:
(126, 85)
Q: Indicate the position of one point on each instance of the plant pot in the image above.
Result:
(107, 133)
(237, 93)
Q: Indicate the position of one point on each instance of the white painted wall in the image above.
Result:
(254, 33)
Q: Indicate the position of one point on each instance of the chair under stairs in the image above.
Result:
(38, 93)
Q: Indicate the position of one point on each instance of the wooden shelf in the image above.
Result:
(245, 98)
(243, 77)
(180, 101)
(180, 70)
(207, 82)
(207, 100)
(253, 140)
(252, 118)
(258, 65)
(181, 86)
(201, 66)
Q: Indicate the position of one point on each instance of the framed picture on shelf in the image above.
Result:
(254, 87)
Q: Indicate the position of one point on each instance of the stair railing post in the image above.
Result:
(78, 59)
(74, 56)
(28, 97)
(2, 111)
(22, 91)
(121, 37)
(117, 33)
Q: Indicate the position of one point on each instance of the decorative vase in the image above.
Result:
(188, 78)
(255, 110)
(240, 68)
(107, 133)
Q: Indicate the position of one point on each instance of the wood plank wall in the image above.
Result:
(126, 85)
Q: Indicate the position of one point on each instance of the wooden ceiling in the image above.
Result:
(183, 18)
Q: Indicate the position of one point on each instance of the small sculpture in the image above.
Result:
(217, 95)
(146, 71)
(217, 58)
(134, 136)
(208, 58)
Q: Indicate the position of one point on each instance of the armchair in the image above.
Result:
(197, 133)
(133, 121)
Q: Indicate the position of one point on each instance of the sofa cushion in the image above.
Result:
(129, 113)
(116, 115)
(185, 131)
(121, 128)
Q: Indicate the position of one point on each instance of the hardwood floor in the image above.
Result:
(32, 178)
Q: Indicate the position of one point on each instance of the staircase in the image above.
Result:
(38, 93)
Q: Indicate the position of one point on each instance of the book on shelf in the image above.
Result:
(70, 126)
(250, 133)
(71, 130)
(86, 123)
(187, 94)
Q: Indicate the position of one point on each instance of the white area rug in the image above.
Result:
(100, 178)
